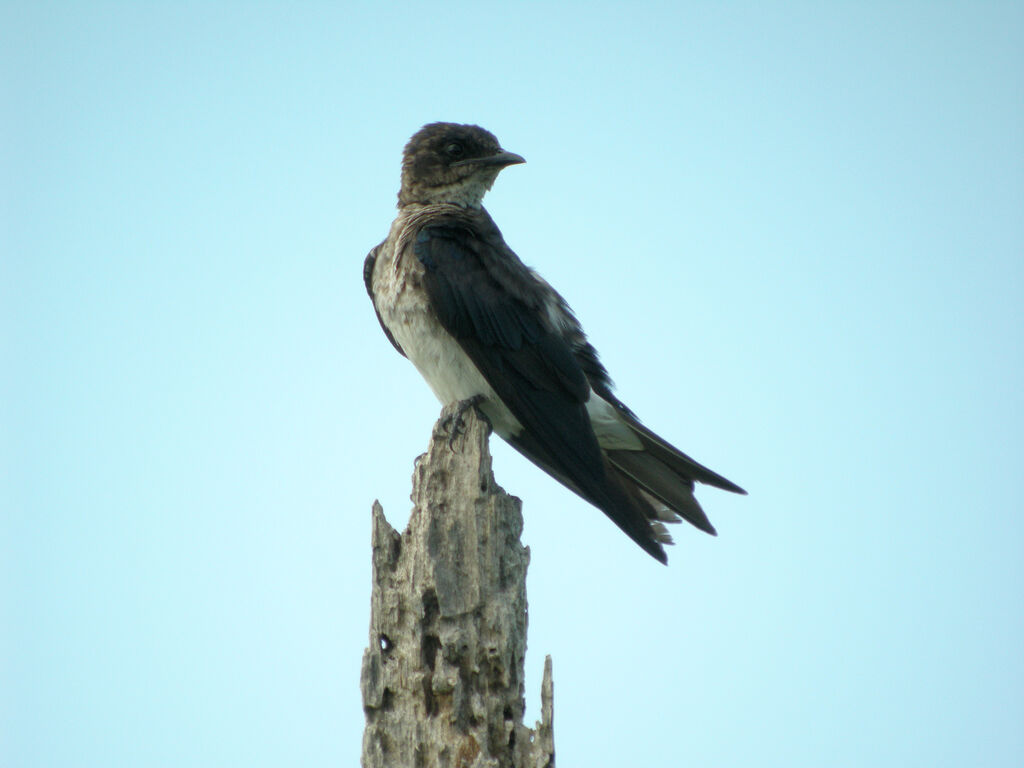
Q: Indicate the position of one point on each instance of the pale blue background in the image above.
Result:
(795, 232)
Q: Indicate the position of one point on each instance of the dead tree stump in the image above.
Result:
(442, 678)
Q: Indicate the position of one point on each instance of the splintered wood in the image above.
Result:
(442, 678)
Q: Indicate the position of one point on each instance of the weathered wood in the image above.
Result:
(442, 678)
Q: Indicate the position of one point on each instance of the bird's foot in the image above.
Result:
(453, 423)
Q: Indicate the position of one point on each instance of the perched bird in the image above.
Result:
(485, 330)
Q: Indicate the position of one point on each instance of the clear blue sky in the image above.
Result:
(794, 231)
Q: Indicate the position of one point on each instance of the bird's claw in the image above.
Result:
(453, 423)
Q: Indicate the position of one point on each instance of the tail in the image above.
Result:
(605, 489)
(665, 477)
(639, 489)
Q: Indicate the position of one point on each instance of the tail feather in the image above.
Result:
(648, 473)
(614, 495)
(639, 490)
(679, 462)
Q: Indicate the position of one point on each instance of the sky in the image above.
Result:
(795, 232)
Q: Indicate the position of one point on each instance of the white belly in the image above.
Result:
(438, 357)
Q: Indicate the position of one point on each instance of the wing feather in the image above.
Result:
(489, 309)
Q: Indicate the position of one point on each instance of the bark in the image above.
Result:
(442, 678)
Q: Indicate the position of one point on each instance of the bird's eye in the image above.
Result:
(454, 150)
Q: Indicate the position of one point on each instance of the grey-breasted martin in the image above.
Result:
(484, 329)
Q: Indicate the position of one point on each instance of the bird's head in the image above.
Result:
(451, 163)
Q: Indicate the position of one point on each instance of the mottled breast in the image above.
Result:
(405, 310)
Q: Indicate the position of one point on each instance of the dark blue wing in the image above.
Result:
(489, 303)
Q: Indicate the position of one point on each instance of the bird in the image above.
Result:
(488, 332)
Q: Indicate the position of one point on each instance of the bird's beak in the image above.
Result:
(501, 159)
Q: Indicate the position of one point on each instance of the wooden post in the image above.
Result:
(442, 678)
